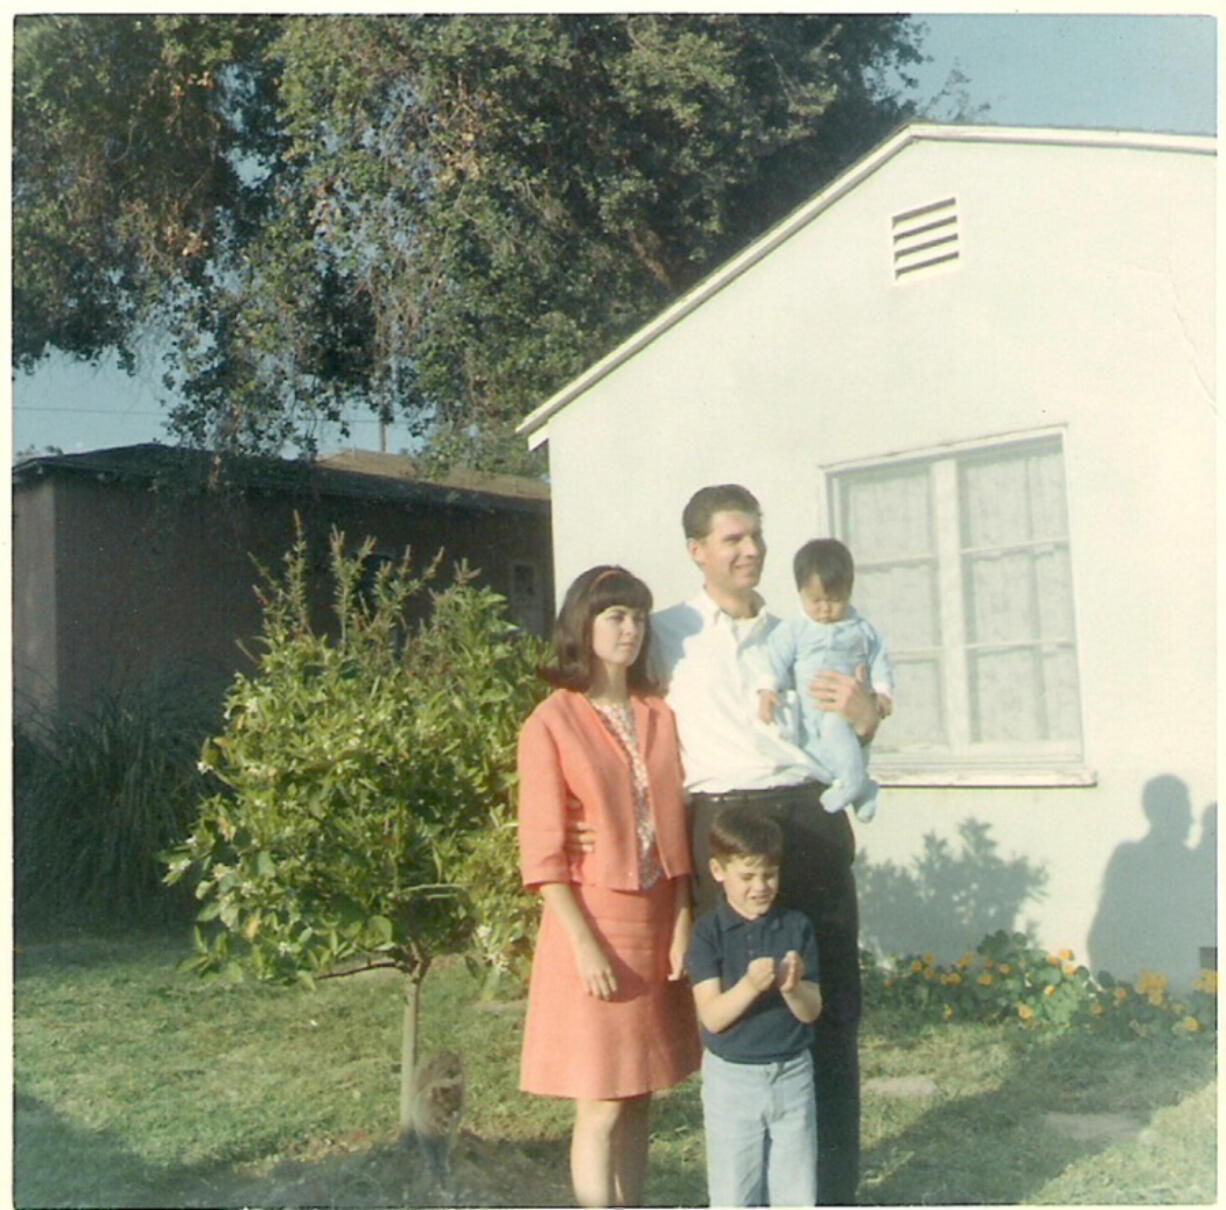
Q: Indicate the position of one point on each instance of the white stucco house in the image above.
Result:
(984, 357)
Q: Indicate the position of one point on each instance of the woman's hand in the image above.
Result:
(595, 969)
(580, 838)
(680, 944)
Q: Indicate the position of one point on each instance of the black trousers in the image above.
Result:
(815, 878)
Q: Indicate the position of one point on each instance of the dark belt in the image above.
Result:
(767, 795)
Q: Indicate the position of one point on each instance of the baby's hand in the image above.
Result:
(791, 971)
(768, 703)
(761, 973)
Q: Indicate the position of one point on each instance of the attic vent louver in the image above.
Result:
(924, 237)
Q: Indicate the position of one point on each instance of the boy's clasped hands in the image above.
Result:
(762, 974)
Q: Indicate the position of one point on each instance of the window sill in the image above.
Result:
(986, 778)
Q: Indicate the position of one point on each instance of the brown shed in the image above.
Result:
(140, 560)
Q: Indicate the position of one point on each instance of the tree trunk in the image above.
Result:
(408, 1052)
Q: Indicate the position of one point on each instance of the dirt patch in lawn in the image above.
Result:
(359, 1173)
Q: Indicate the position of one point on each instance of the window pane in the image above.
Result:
(1048, 511)
(1013, 497)
(1054, 591)
(1000, 598)
(1004, 696)
(919, 715)
(901, 601)
(994, 503)
(1061, 696)
(887, 516)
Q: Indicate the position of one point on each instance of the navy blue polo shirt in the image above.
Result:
(721, 946)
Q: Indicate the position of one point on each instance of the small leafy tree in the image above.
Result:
(366, 767)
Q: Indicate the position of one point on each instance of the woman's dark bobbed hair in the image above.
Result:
(597, 589)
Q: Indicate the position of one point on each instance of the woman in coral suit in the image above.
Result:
(610, 1018)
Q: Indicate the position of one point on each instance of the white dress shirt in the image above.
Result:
(711, 665)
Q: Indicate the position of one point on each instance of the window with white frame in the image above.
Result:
(962, 561)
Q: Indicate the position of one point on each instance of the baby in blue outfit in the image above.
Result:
(830, 635)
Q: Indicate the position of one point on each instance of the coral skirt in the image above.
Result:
(642, 1040)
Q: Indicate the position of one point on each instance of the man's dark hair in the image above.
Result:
(597, 589)
(744, 831)
(697, 515)
(830, 561)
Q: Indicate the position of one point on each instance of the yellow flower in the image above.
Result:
(1121, 994)
(985, 979)
(1191, 1024)
(988, 963)
(1206, 981)
(1049, 989)
(1070, 969)
(965, 960)
(949, 1011)
(955, 978)
(1025, 1011)
(1096, 1009)
(928, 959)
(929, 974)
(1005, 968)
(1067, 955)
(1053, 960)
(916, 967)
(1152, 986)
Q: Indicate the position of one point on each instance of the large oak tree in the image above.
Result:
(439, 218)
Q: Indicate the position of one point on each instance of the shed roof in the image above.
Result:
(534, 425)
(351, 475)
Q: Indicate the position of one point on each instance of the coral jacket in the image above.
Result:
(571, 767)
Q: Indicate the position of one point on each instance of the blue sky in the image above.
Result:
(1125, 72)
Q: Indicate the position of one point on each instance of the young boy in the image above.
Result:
(830, 635)
(753, 967)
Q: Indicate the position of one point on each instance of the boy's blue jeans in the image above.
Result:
(761, 1131)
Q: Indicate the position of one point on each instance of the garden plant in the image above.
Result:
(364, 815)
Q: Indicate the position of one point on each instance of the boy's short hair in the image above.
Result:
(830, 561)
(744, 831)
(700, 511)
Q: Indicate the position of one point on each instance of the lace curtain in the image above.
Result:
(963, 563)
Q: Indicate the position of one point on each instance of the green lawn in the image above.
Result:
(138, 1086)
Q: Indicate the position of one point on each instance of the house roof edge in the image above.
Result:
(533, 426)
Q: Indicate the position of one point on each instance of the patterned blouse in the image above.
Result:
(620, 722)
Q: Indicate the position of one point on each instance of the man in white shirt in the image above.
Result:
(706, 651)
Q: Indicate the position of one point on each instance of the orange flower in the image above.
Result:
(1070, 969)
(1067, 955)
(1053, 960)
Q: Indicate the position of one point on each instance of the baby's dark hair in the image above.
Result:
(830, 561)
(743, 831)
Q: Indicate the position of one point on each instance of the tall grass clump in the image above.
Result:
(97, 795)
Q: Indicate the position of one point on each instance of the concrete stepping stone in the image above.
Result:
(907, 1088)
(1093, 1127)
